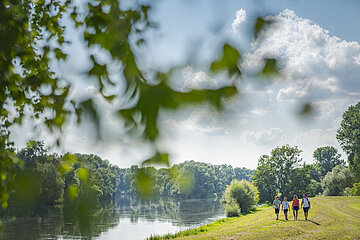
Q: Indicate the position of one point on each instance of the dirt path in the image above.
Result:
(350, 213)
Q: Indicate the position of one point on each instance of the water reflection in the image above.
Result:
(127, 217)
(180, 212)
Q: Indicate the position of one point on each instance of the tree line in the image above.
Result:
(189, 179)
(284, 173)
(50, 179)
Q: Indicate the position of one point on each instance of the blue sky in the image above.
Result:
(316, 42)
(184, 21)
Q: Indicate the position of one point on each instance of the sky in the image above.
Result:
(317, 44)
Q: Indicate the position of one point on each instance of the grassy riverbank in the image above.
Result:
(329, 218)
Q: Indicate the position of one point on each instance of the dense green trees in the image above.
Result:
(186, 180)
(355, 190)
(279, 173)
(348, 136)
(240, 196)
(39, 181)
(338, 182)
(50, 179)
(265, 179)
(327, 158)
(283, 173)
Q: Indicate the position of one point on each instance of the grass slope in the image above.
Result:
(329, 218)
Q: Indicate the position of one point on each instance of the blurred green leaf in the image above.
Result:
(270, 68)
(3, 176)
(307, 109)
(64, 168)
(228, 62)
(158, 159)
(260, 24)
(27, 188)
(70, 158)
(144, 183)
(59, 54)
(185, 182)
(83, 174)
(72, 192)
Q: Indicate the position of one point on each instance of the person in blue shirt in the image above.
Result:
(276, 206)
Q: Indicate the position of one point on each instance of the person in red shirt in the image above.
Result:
(295, 207)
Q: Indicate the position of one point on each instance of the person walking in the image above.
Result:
(305, 204)
(285, 207)
(295, 207)
(276, 206)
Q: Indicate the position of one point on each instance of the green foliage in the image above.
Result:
(144, 182)
(260, 25)
(327, 158)
(158, 159)
(31, 36)
(281, 173)
(348, 137)
(185, 180)
(314, 188)
(270, 68)
(336, 181)
(306, 110)
(232, 208)
(265, 179)
(44, 179)
(277, 173)
(355, 190)
(229, 61)
(241, 193)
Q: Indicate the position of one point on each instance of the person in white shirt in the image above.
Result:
(305, 204)
(285, 207)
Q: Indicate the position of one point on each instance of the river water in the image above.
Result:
(127, 218)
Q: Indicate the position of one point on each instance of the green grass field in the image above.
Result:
(329, 218)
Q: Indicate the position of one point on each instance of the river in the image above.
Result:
(127, 218)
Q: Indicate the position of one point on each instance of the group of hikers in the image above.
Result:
(305, 205)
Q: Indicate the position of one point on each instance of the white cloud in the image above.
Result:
(258, 111)
(316, 67)
(311, 139)
(197, 80)
(314, 64)
(200, 122)
(239, 19)
(271, 136)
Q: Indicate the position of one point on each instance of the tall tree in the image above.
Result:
(277, 172)
(348, 136)
(327, 158)
(264, 179)
(284, 160)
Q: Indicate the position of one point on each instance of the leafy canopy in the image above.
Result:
(327, 158)
(348, 136)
